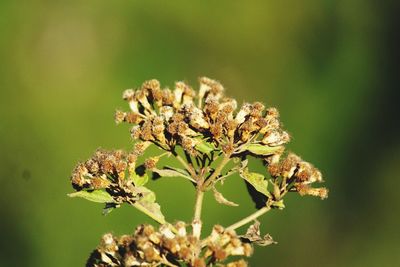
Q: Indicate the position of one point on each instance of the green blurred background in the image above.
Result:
(329, 66)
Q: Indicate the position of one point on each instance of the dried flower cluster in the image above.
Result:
(148, 247)
(302, 173)
(212, 139)
(183, 117)
(110, 177)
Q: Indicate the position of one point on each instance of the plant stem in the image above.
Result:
(188, 167)
(249, 218)
(217, 171)
(199, 204)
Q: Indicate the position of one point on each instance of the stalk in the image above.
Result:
(249, 218)
(199, 204)
(217, 171)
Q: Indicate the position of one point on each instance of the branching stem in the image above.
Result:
(249, 218)
(217, 172)
(188, 167)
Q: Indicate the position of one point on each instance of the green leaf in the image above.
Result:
(204, 147)
(182, 171)
(148, 195)
(148, 206)
(99, 196)
(140, 180)
(263, 150)
(257, 180)
(173, 172)
(222, 200)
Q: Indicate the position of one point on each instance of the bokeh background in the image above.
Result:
(329, 66)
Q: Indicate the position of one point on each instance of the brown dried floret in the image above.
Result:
(215, 86)
(290, 163)
(119, 116)
(151, 85)
(136, 132)
(139, 148)
(92, 166)
(199, 262)
(244, 111)
(155, 92)
(78, 178)
(216, 130)
(211, 107)
(275, 138)
(128, 94)
(133, 117)
(239, 263)
(228, 148)
(167, 97)
(305, 189)
(99, 183)
(146, 131)
(150, 163)
(257, 109)
(188, 145)
(274, 169)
